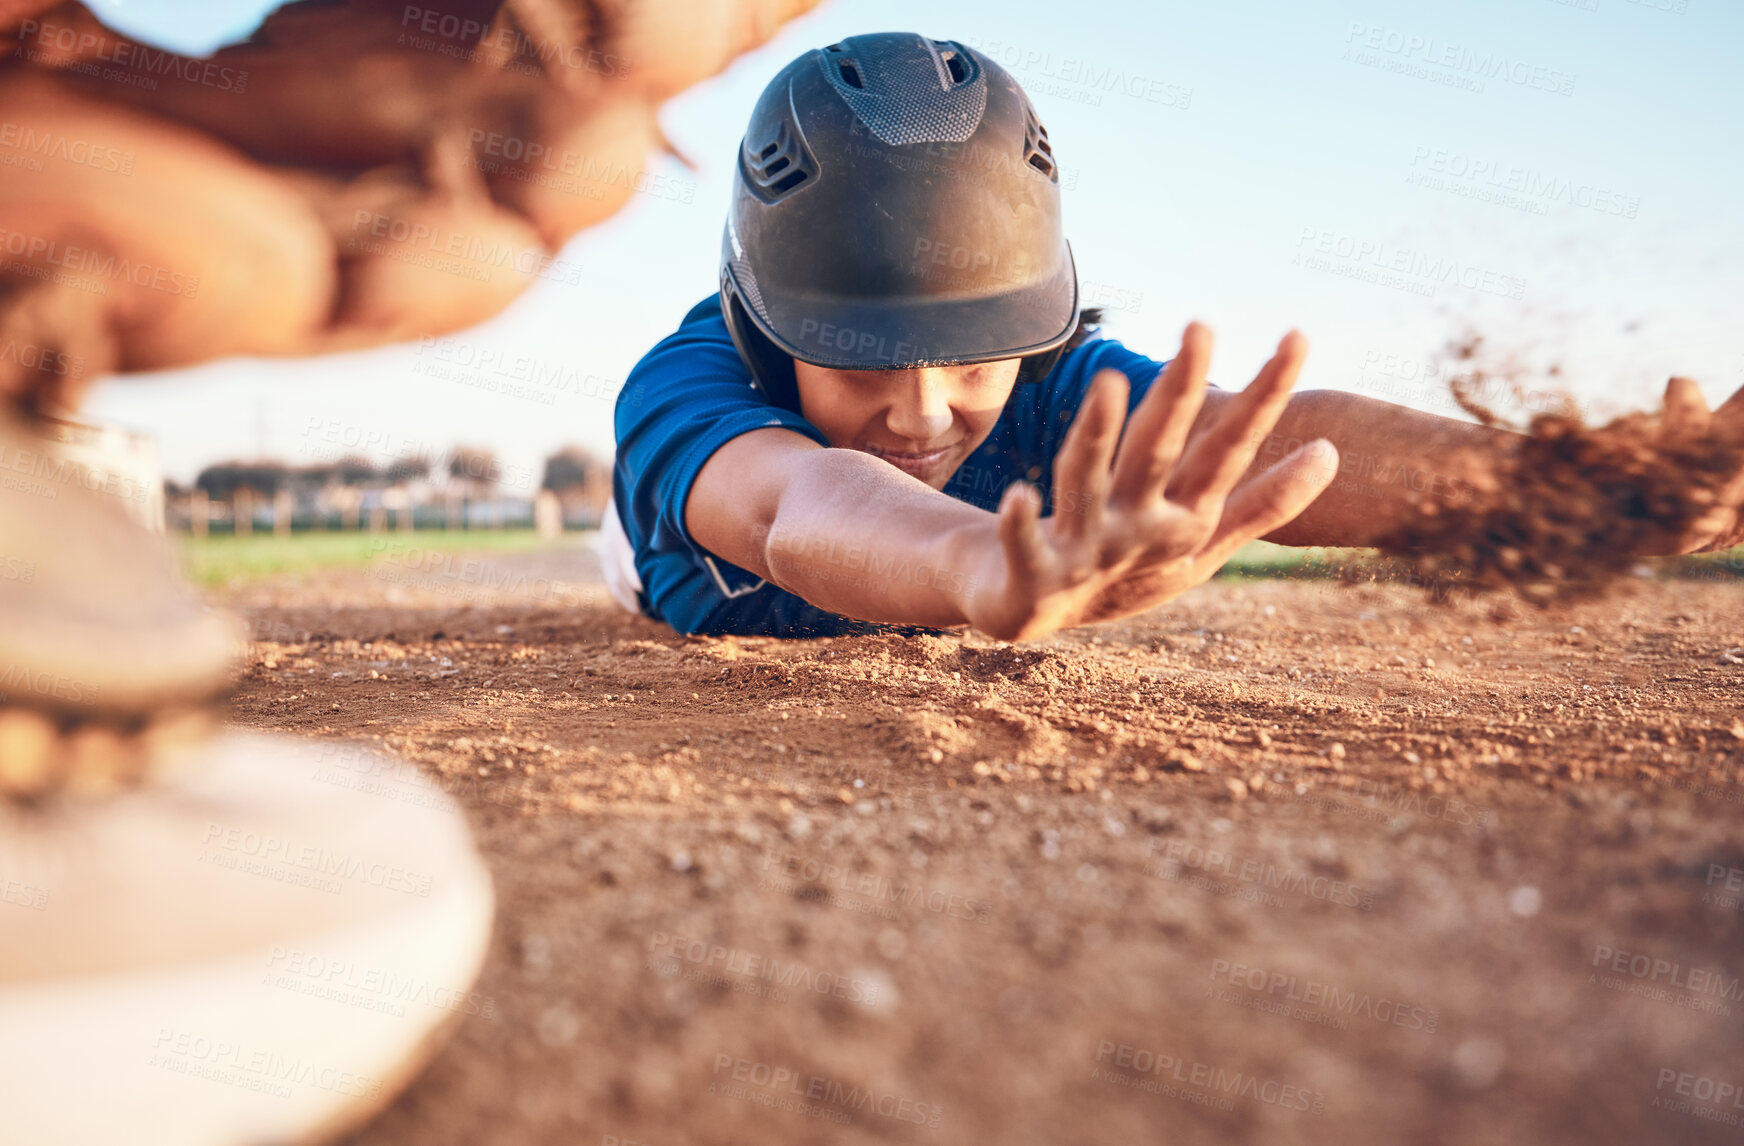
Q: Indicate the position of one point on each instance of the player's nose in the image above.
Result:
(920, 408)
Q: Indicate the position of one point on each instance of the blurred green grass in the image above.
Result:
(228, 560)
(1261, 560)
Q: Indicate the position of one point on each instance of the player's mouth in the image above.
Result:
(921, 464)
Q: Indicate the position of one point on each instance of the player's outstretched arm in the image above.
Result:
(844, 530)
(1138, 518)
(1392, 459)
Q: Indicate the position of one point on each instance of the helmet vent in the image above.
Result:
(907, 89)
(1037, 151)
(954, 66)
(779, 166)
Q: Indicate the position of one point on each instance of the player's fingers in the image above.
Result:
(1020, 533)
(1217, 460)
(1274, 497)
(1081, 467)
(1686, 411)
(1157, 431)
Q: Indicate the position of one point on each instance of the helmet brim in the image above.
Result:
(904, 333)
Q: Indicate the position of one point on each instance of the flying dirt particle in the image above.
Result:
(1571, 508)
(558, 1026)
(880, 993)
(1478, 1061)
(1525, 901)
(536, 955)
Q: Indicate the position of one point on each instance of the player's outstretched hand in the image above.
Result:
(1142, 517)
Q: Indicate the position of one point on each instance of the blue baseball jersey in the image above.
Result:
(692, 394)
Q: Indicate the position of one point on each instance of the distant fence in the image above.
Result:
(250, 515)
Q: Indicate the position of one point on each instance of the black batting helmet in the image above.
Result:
(896, 204)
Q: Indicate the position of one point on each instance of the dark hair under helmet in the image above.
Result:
(896, 204)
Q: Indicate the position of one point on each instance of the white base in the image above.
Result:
(265, 1011)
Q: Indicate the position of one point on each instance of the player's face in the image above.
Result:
(923, 421)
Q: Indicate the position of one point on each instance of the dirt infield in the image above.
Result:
(1279, 862)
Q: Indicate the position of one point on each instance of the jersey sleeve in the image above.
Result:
(684, 400)
(1068, 386)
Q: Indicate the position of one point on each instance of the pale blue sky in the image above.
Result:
(1304, 139)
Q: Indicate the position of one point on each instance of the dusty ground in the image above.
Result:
(1276, 863)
